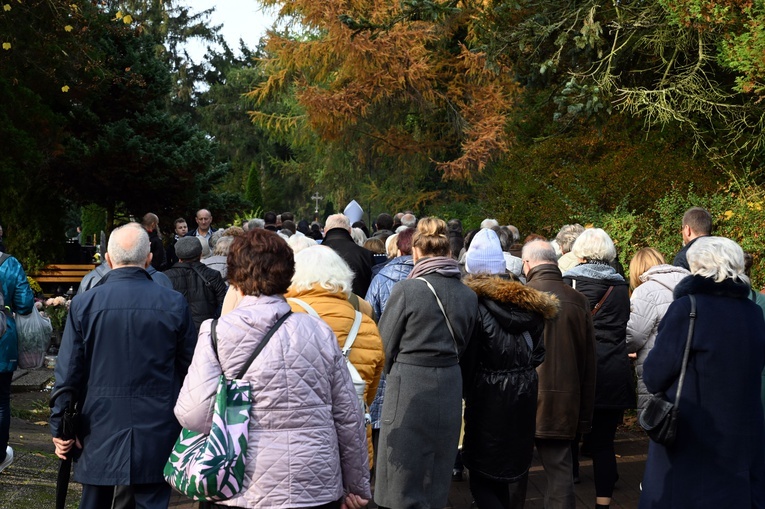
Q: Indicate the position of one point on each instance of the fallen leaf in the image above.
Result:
(6, 45)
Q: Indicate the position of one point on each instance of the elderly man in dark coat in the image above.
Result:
(566, 377)
(127, 345)
(338, 237)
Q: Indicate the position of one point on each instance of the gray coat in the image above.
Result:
(648, 304)
(421, 415)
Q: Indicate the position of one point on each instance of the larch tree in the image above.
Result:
(387, 80)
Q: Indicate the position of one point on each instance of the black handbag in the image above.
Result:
(659, 419)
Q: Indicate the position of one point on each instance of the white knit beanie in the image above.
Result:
(485, 254)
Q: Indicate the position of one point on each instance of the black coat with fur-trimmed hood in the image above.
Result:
(500, 378)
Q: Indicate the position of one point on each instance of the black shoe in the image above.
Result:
(457, 475)
(577, 480)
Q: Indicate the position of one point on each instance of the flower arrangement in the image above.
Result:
(55, 308)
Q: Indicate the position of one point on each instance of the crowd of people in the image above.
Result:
(408, 353)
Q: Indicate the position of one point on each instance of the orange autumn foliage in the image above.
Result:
(414, 86)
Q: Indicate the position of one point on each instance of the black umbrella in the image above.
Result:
(68, 431)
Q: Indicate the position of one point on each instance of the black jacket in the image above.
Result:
(500, 378)
(358, 258)
(204, 293)
(614, 382)
(157, 251)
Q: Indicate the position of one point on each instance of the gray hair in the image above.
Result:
(128, 245)
(717, 258)
(214, 238)
(337, 221)
(255, 223)
(223, 245)
(489, 223)
(358, 236)
(515, 232)
(539, 251)
(594, 245)
(409, 220)
(568, 235)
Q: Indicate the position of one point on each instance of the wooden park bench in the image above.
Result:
(61, 274)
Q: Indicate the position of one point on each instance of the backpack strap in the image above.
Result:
(354, 300)
(303, 304)
(3, 257)
(352, 335)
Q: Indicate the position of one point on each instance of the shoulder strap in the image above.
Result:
(262, 344)
(199, 273)
(3, 257)
(303, 304)
(691, 326)
(448, 324)
(352, 334)
(602, 300)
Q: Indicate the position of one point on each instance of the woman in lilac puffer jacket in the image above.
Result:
(307, 443)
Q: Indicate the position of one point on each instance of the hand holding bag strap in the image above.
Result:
(691, 327)
(262, 344)
(601, 301)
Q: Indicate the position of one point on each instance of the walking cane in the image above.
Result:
(68, 431)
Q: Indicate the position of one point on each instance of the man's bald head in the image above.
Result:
(128, 247)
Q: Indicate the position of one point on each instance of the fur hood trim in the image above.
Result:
(506, 291)
(704, 285)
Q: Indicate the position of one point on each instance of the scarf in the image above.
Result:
(594, 271)
(444, 265)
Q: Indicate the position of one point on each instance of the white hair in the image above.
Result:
(254, 224)
(358, 236)
(594, 244)
(337, 221)
(489, 223)
(298, 242)
(717, 258)
(321, 265)
(128, 245)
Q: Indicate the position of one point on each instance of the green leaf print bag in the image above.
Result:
(211, 467)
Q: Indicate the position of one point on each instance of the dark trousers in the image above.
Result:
(600, 442)
(5, 411)
(490, 494)
(146, 496)
(556, 460)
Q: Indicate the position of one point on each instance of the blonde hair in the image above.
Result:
(391, 246)
(431, 237)
(643, 260)
(321, 265)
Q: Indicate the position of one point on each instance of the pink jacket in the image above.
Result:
(307, 443)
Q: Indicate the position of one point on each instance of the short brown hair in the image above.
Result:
(699, 219)
(431, 238)
(643, 260)
(260, 263)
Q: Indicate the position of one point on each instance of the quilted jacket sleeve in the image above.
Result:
(374, 294)
(351, 432)
(642, 320)
(196, 401)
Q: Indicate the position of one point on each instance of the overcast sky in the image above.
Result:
(245, 19)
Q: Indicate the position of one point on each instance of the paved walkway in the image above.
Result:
(30, 481)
